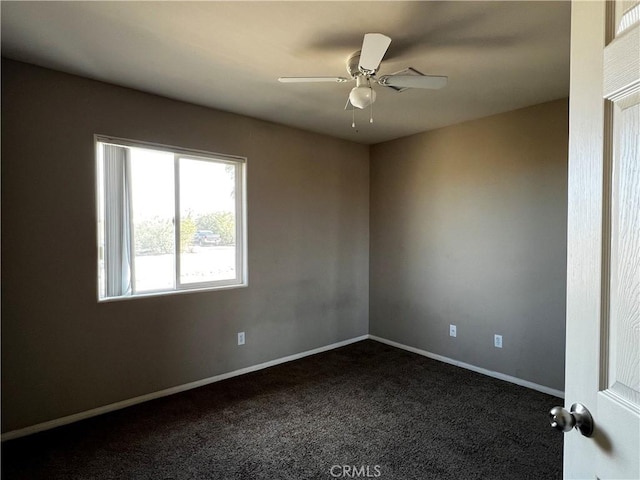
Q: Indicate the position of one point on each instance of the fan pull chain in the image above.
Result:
(353, 117)
(371, 113)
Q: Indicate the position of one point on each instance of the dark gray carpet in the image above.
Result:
(365, 405)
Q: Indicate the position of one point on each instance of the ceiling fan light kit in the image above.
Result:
(362, 95)
(362, 67)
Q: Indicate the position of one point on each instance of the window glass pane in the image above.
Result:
(208, 221)
(168, 219)
(153, 208)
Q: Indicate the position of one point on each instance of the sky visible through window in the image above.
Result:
(153, 177)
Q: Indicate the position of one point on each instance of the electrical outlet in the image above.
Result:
(240, 338)
(497, 341)
(452, 330)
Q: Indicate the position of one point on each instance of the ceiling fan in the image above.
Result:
(363, 66)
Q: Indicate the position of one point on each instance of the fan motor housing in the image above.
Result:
(352, 65)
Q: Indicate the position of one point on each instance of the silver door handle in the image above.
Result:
(579, 417)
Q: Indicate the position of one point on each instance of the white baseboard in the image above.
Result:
(490, 373)
(40, 427)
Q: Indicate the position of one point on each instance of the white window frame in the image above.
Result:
(239, 162)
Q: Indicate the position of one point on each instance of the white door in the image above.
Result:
(603, 277)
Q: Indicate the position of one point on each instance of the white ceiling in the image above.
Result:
(499, 56)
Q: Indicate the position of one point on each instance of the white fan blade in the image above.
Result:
(413, 81)
(312, 79)
(374, 46)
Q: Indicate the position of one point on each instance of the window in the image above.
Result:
(169, 219)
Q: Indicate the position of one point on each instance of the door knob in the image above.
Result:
(579, 417)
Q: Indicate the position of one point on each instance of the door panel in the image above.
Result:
(618, 407)
(603, 289)
(624, 317)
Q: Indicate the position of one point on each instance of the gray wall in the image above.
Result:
(468, 227)
(62, 352)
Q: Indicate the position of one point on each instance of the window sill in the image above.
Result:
(172, 292)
